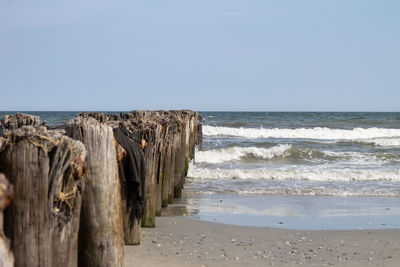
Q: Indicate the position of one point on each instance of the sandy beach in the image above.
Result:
(185, 241)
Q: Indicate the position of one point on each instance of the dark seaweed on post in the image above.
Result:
(132, 175)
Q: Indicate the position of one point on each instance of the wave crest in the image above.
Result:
(384, 142)
(216, 156)
(321, 133)
(313, 174)
(236, 153)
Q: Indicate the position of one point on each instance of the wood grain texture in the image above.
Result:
(18, 120)
(42, 221)
(170, 138)
(6, 195)
(101, 238)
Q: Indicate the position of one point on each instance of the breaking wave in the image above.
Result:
(299, 173)
(228, 154)
(236, 153)
(384, 142)
(378, 136)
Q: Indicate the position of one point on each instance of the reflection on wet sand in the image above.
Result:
(293, 212)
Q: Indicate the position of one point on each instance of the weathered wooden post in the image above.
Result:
(144, 128)
(18, 120)
(6, 195)
(171, 138)
(199, 133)
(180, 157)
(194, 124)
(181, 136)
(167, 139)
(42, 221)
(101, 238)
(132, 174)
(166, 167)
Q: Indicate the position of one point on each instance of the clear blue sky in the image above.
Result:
(311, 55)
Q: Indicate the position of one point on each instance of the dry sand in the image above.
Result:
(184, 241)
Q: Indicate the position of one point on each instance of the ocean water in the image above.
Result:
(298, 170)
(322, 154)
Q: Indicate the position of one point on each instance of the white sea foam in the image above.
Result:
(298, 173)
(236, 153)
(292, 187)
(367, 159)
(318, 191)
(310, 133)
(384, 142)
(222, 155)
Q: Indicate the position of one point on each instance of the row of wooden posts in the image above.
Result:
(77, 193)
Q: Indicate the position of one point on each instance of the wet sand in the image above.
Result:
(296, 211)
(185, 241)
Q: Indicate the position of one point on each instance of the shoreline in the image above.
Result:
(186, 241)
(294, 212)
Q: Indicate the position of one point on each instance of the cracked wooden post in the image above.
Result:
(146, 129)
(42, 221)
(18, 120)
(170, 137)
(184, 145)
(194, 124)
(179, 154)
(101, 237)
(6, 195)
(167, 171)
(199, 133)
(132, 175)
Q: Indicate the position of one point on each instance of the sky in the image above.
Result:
(205, 55)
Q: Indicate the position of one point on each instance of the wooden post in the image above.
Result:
(6, 195)
(199, 134)
(18, 120)
(101, 238)
(42, 222)
(144, 128)
(179, 147)
(167, 174)
(153, 186)
(132, 171)
(170, 139)
(132, 174)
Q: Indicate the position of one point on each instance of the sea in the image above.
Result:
(296, 170)
(301, 170)
(324, 154)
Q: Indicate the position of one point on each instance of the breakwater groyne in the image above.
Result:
(79, 192)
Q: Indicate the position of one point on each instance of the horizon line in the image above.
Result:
(282, 111)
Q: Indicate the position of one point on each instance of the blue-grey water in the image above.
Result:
(305, 170)
(332, 154)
